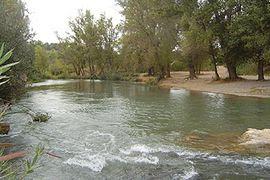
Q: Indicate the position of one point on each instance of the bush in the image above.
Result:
(247, 69)
(152, 81)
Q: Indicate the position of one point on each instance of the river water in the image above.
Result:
(119, 130)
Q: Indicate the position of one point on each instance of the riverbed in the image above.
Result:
(121, 130)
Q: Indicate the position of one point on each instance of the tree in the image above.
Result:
(194, 39)
(41, 62)
(224, 14)
(195, 48)
(254, 25)
(205, 21)
(92, 44)
(150, 32)
(14, 25)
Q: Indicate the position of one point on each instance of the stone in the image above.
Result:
(254, 138)
(4, 128)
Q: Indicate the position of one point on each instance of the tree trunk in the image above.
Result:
(232, 71)
(214, 61)
(217, 77)
(75, 69)
(162, 73)
(151, 71)
(192, 72)
(168, 74)
(260, 69)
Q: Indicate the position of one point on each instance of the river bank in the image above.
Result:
(246, 87)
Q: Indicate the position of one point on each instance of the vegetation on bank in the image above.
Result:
(159, 36)
(8, 169)
(15, 33)
(155, 37)
(11, 170)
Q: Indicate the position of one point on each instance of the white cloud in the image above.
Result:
(50, 16)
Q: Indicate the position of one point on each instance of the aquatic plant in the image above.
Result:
(152, 81)
(40, 117)
(30, 165)
(9, 170)
(35, 116)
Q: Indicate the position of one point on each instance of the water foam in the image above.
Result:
(141, 148)
(95, 162)
(189, 174)
(146, 154)
(191, 155)
(144, 159)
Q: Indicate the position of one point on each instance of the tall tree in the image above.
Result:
(15, 32)
(150, 29)
(92, 44)
(224, 14)
(254, 24)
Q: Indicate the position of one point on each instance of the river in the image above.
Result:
(121, 130)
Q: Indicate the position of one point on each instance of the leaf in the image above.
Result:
(2, 49)
(5, 68)
(6, 57)
(1, 83)
(3, 77)
(28, 165)
(12, 156)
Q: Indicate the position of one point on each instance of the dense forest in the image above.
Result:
(155, 37)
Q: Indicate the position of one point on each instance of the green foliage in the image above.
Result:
(10, 170)
(152, 81)
(41, 62)
(91, 49)
(40, 117)
(15, 32)
(6, 169)
(30, 165)
(179, 66)
(149, 35)
(249, 68)
(160, 36)
(48, 64)
(6, 67)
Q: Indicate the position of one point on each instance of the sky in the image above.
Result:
(50, 16)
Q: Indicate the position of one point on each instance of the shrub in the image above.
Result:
(6, 67)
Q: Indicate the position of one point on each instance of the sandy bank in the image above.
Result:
(248, 87)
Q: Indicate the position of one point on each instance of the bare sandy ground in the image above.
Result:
(247, 87)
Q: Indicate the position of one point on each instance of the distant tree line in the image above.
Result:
(155, 36)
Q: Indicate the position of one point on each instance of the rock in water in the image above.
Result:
(254, 138)
(4, 128)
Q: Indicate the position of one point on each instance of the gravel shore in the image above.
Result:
(246, 87)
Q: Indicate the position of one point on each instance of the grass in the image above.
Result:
(9, 170)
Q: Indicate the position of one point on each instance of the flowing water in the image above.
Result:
(118, 130)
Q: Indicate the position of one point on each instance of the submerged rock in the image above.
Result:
(39, 117)
(222, 142)
(253, 141)
(254, 138)
(4, 128)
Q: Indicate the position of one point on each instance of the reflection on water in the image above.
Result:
(119, 130)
